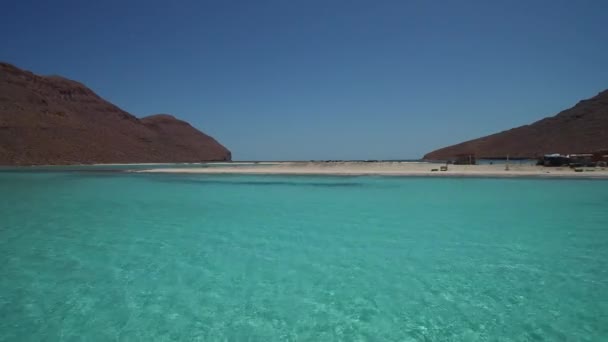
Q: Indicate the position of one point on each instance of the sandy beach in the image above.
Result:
(394, 169)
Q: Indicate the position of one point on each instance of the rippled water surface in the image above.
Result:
(111, 256)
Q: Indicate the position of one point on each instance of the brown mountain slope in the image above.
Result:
(582, 128)
(53, 120)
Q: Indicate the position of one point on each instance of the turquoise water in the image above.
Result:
(135, 257)
(127, 167)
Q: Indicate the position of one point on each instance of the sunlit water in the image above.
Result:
(102, 256)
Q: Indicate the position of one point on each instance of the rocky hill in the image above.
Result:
(52, 120)
(580, 129)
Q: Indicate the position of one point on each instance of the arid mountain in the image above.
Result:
(580, 129)
(47, 120)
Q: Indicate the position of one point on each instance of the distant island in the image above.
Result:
(580, 129)
(50, 120)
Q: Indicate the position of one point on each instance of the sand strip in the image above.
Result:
(394, 169)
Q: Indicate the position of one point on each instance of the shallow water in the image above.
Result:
(127, 167)
(111, 256)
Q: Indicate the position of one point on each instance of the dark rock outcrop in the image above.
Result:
(580, 129)
(47, 120)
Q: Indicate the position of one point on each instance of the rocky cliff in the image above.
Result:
(582, 128)
(53, 120)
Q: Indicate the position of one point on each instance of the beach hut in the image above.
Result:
(465, 159)
(582, 159)
(554, 159)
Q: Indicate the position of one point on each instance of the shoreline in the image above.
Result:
(394, 169)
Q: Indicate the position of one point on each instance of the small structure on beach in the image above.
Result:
(575, 160)
(583, 159)
(553, 159)
(465, 159)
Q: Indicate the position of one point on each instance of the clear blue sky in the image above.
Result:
(277, 80)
